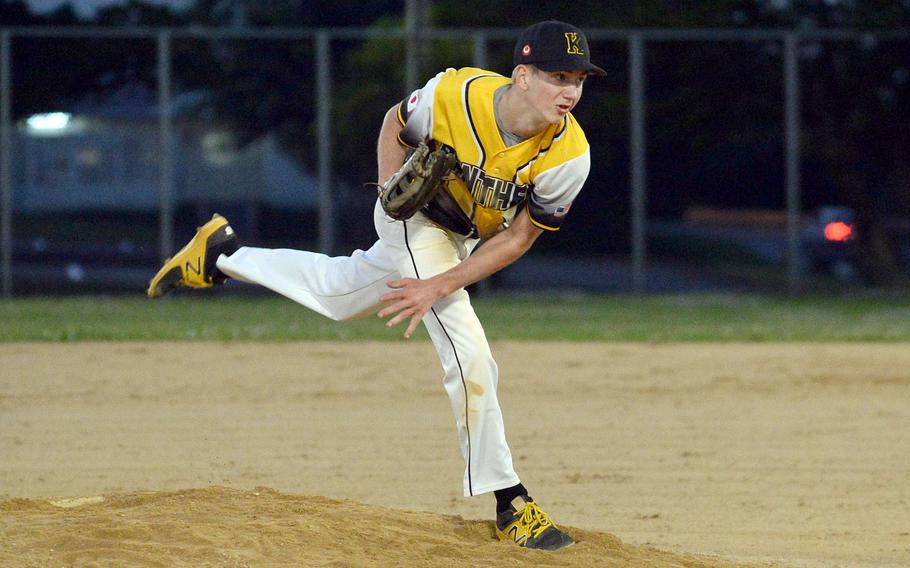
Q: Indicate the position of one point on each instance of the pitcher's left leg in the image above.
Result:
(423, 250)
(471, 378)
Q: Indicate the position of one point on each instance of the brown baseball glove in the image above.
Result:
(418, 181)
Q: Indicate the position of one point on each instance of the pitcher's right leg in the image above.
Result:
(341, 288)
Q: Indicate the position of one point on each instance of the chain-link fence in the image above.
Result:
(722, 160)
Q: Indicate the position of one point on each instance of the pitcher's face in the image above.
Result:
(554, 94)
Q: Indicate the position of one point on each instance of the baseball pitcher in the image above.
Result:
(470, 156)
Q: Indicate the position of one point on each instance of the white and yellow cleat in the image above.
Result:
(194, 265)
(528, 526)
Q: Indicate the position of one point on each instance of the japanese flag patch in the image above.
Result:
(412, 101)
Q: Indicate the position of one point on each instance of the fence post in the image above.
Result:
(480, 50)
(6, 164)
(411, 56)
(638, 161)
(324, 145)
(166, 143)
(792, 119)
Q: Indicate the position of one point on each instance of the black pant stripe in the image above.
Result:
(457, 360)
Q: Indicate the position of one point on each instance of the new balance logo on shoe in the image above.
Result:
(519, 538)
(198, 268)
(529, 526)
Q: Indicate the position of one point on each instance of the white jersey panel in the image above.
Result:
(555, 189)
(419, 109)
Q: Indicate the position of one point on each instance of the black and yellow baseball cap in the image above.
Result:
(555, 46)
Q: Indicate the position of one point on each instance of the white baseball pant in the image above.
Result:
(348, 287)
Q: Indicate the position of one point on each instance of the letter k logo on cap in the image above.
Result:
(572, 42)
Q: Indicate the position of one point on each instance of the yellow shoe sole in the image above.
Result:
(190, 267)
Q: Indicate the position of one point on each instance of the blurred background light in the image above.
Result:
(838, 231)
(49, 122)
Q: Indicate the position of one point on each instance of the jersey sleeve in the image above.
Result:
(415, 113)
(555, 189)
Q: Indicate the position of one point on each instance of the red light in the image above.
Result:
(838, 231)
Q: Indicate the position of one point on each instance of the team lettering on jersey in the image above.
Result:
(490, 191)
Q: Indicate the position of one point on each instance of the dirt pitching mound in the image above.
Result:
(228, 527)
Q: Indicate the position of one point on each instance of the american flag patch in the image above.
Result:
(562, 210)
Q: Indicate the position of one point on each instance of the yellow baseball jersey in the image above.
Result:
(544, 173)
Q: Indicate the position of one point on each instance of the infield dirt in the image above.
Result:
(208, 454)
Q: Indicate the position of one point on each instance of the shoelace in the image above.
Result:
(535, 519)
